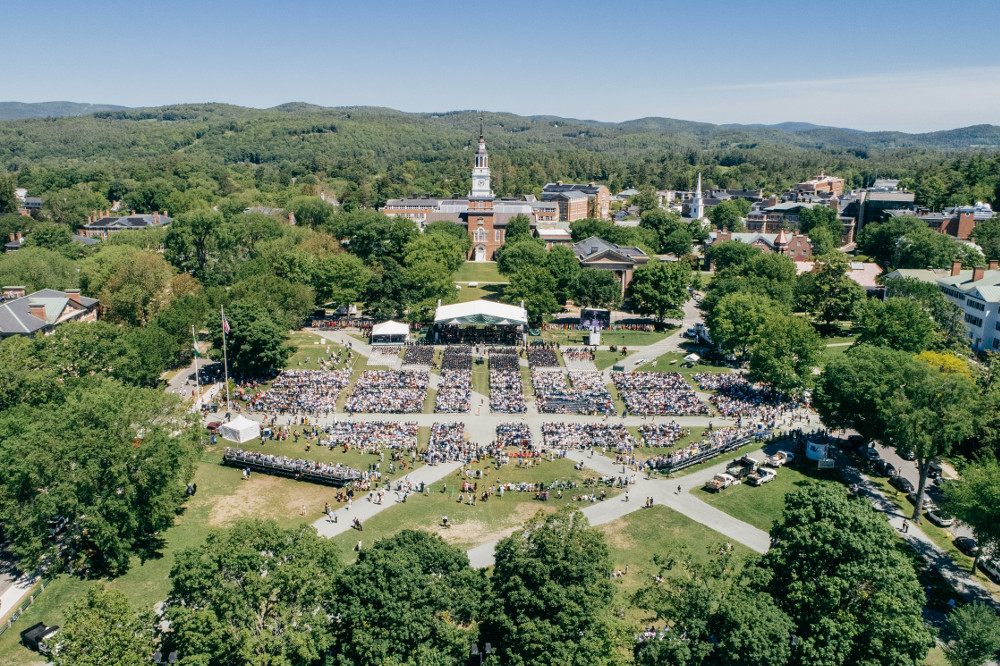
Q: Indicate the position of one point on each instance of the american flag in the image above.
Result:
(225, 322)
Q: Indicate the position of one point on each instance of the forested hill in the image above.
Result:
(19, 110)
(237, 134)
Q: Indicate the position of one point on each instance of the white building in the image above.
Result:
(976, 292)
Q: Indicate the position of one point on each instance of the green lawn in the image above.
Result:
(636, 538)
(572, 337)
(762, 505)
(473, 525)
(306, 347)
(486, 292)
(828, 354)
(604, 359)
(472, 271)
(674, 362)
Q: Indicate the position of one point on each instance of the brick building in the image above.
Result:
(42, 311)
(577, 201)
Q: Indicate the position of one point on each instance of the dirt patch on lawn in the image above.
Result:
(472, 533)
(270, 497)
(616, 536)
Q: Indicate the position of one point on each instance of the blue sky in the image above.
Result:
(913, 66)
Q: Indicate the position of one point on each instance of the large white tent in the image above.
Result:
(390, 333)
(481, 313)
(239, 430)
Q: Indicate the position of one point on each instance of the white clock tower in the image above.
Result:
(481, 172)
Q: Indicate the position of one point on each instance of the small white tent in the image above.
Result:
(239, 430)
(390, 333)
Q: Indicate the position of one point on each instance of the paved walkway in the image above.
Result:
(363, 509)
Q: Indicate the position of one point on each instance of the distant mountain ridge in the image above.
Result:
(452, 128)
(19, 110)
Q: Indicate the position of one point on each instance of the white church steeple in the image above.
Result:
(481, 172)
(698, 205)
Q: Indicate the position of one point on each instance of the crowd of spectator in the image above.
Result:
(586, 435)
(300, 391)
(514, 434)
(542, 355)
(457, 357)
(662, 435)
(586, 395)
(387, 350)
(486, 335)
(735, 396)
(371, 436)
(389, 391)
(418, 355)
(715, 442)
(657, 393)
(578, 354)
(290, 466)
(454, 391)
(506, 388)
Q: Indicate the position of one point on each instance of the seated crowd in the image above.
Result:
(657, 393)
(514, 434)
(371, 436)
(715, 442)
(540, 356)
(418, 355)
(265, 461)
(586, 435)
(454, 391)
(578, 354)
(737, 397)
(506, 388)
(308, 391)
(661, 435)
(389, 391)
(587, 395)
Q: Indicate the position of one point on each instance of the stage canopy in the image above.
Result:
(241, 429)
(390, 332)
(481, 313)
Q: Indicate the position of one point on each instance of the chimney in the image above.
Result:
(165, 214)
(89, 219)
(13, 292)
(36, 309)
(74, 296)
(132, 213)
(994, 265)
(19, 239)
(977, 273)
(558, 182)
(956, 267)
(12, 237)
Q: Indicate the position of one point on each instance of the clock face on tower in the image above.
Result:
(481, 183)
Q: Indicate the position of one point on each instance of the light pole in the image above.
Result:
(474, 651)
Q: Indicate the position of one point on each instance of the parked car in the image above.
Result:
(871, 453)
(912, 496)
(855, 441)
(940, 517)
(761, 476)
(38, 637)
(720, 481)
(779, 459)
(213, 426)
(901, 483)
(991, 567)
(909, 455)
(935, 471)
(967, 545)
(885, 468)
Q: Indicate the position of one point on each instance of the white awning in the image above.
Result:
(481, 313)
(391, 328)
(240, 430)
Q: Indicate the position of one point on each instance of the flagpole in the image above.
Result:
(197, 383)
(225, 358)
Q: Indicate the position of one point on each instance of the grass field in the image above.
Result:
(761, 506)
(485, 521)
(486, 292)
(572, 337)
(674, 362)
(472, 271)
(636, 538)
(312, 347)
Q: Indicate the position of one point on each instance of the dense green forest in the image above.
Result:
(200, 153)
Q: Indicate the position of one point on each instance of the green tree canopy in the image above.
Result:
(729, 214)
(518, 227)
(730, 253)
(254, 594)
(783, 352)
(552, 595)
(103, 628)
(409, 599)
(536, 287)
(899, 323)
(112, 460)
(836, 572)
(734, 321)
(597, 288)
(519, 255)
(973, 499)
(564, 267)
(973, 635)
(255, 344)
(828, 291)
(986, 233)
(659, 288)
(821, 216)
(37, 268)
(341, 279)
